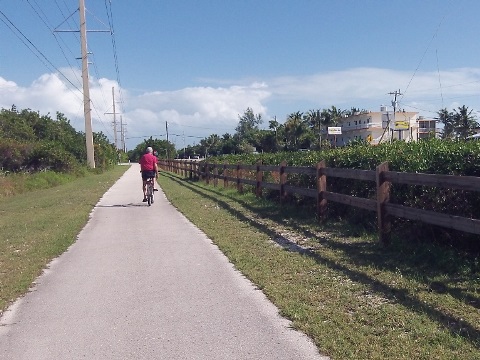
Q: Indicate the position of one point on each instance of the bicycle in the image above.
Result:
(150, 190)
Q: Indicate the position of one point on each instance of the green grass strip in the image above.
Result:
(37, 226)
(353, 297)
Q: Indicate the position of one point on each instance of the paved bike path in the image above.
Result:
(144, 283)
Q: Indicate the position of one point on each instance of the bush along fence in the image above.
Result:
(379, 201)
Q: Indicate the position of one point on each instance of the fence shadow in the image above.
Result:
(358, 253)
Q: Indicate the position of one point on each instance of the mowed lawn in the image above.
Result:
(37, 226)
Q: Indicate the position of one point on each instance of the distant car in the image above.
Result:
(474, 137)
(196, 157)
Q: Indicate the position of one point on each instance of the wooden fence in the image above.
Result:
(381, 176)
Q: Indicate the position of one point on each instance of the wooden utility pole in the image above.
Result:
(86, 89)
(114, 119)
(394, 104)
(85, 80)
(166, 129)
(114, 113)
(122, 134)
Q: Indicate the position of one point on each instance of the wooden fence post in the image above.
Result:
(321, 188)
(258, 190)
(225, 180)
(239, 176)
(207, 175)
(383, 197)
(215, 175)
(283, 181)
(190, 165)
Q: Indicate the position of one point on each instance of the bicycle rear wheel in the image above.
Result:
(149, 193)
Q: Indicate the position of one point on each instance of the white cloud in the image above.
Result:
(201, 111)
(370, 87)
(197, 111)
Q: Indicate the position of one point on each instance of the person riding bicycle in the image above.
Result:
(148, 168)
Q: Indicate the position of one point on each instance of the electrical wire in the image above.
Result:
(423, 56)
(115, 58)
(439, 79)
(44, 19)
(39, 54)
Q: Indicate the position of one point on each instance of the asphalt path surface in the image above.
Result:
(143, 282)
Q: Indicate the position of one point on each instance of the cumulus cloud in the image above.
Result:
(196, 112)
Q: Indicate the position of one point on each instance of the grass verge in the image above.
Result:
(353, 297)
(39, 225)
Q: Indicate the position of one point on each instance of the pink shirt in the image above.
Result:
(147, 162)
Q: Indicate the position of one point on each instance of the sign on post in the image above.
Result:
(334, 130)
(402, 125)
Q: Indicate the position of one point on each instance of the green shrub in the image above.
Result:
(432, 156)
(46, 179)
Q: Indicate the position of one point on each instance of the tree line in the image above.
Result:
(301, 130)
(32, 142)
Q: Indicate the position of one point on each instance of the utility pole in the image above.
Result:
(166, 129)
(394, 104)
(122, 134)
(319, 131)
(114, 120)
(86, 90)
(85, 78)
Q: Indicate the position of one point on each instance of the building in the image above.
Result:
(382, 126)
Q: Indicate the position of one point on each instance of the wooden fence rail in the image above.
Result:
(233, 174)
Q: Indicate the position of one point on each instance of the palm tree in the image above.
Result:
(274, 125)
(335, 115)
(465, 122)
(294, 127)
(446, 118)
(457, 124)
(314, 120)
(210, 143)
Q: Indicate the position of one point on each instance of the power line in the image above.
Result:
(423, 56)
(95, 107)
(439, 79)
(44, 19)
(30, 45)
(42, 16)
(43, 58)
(114, 47)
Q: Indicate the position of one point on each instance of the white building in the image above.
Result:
(382, 126)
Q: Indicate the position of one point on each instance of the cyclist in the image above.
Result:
(148, 168)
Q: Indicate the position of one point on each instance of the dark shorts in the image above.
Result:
(148, 174)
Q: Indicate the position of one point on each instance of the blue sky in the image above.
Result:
(199, 64)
